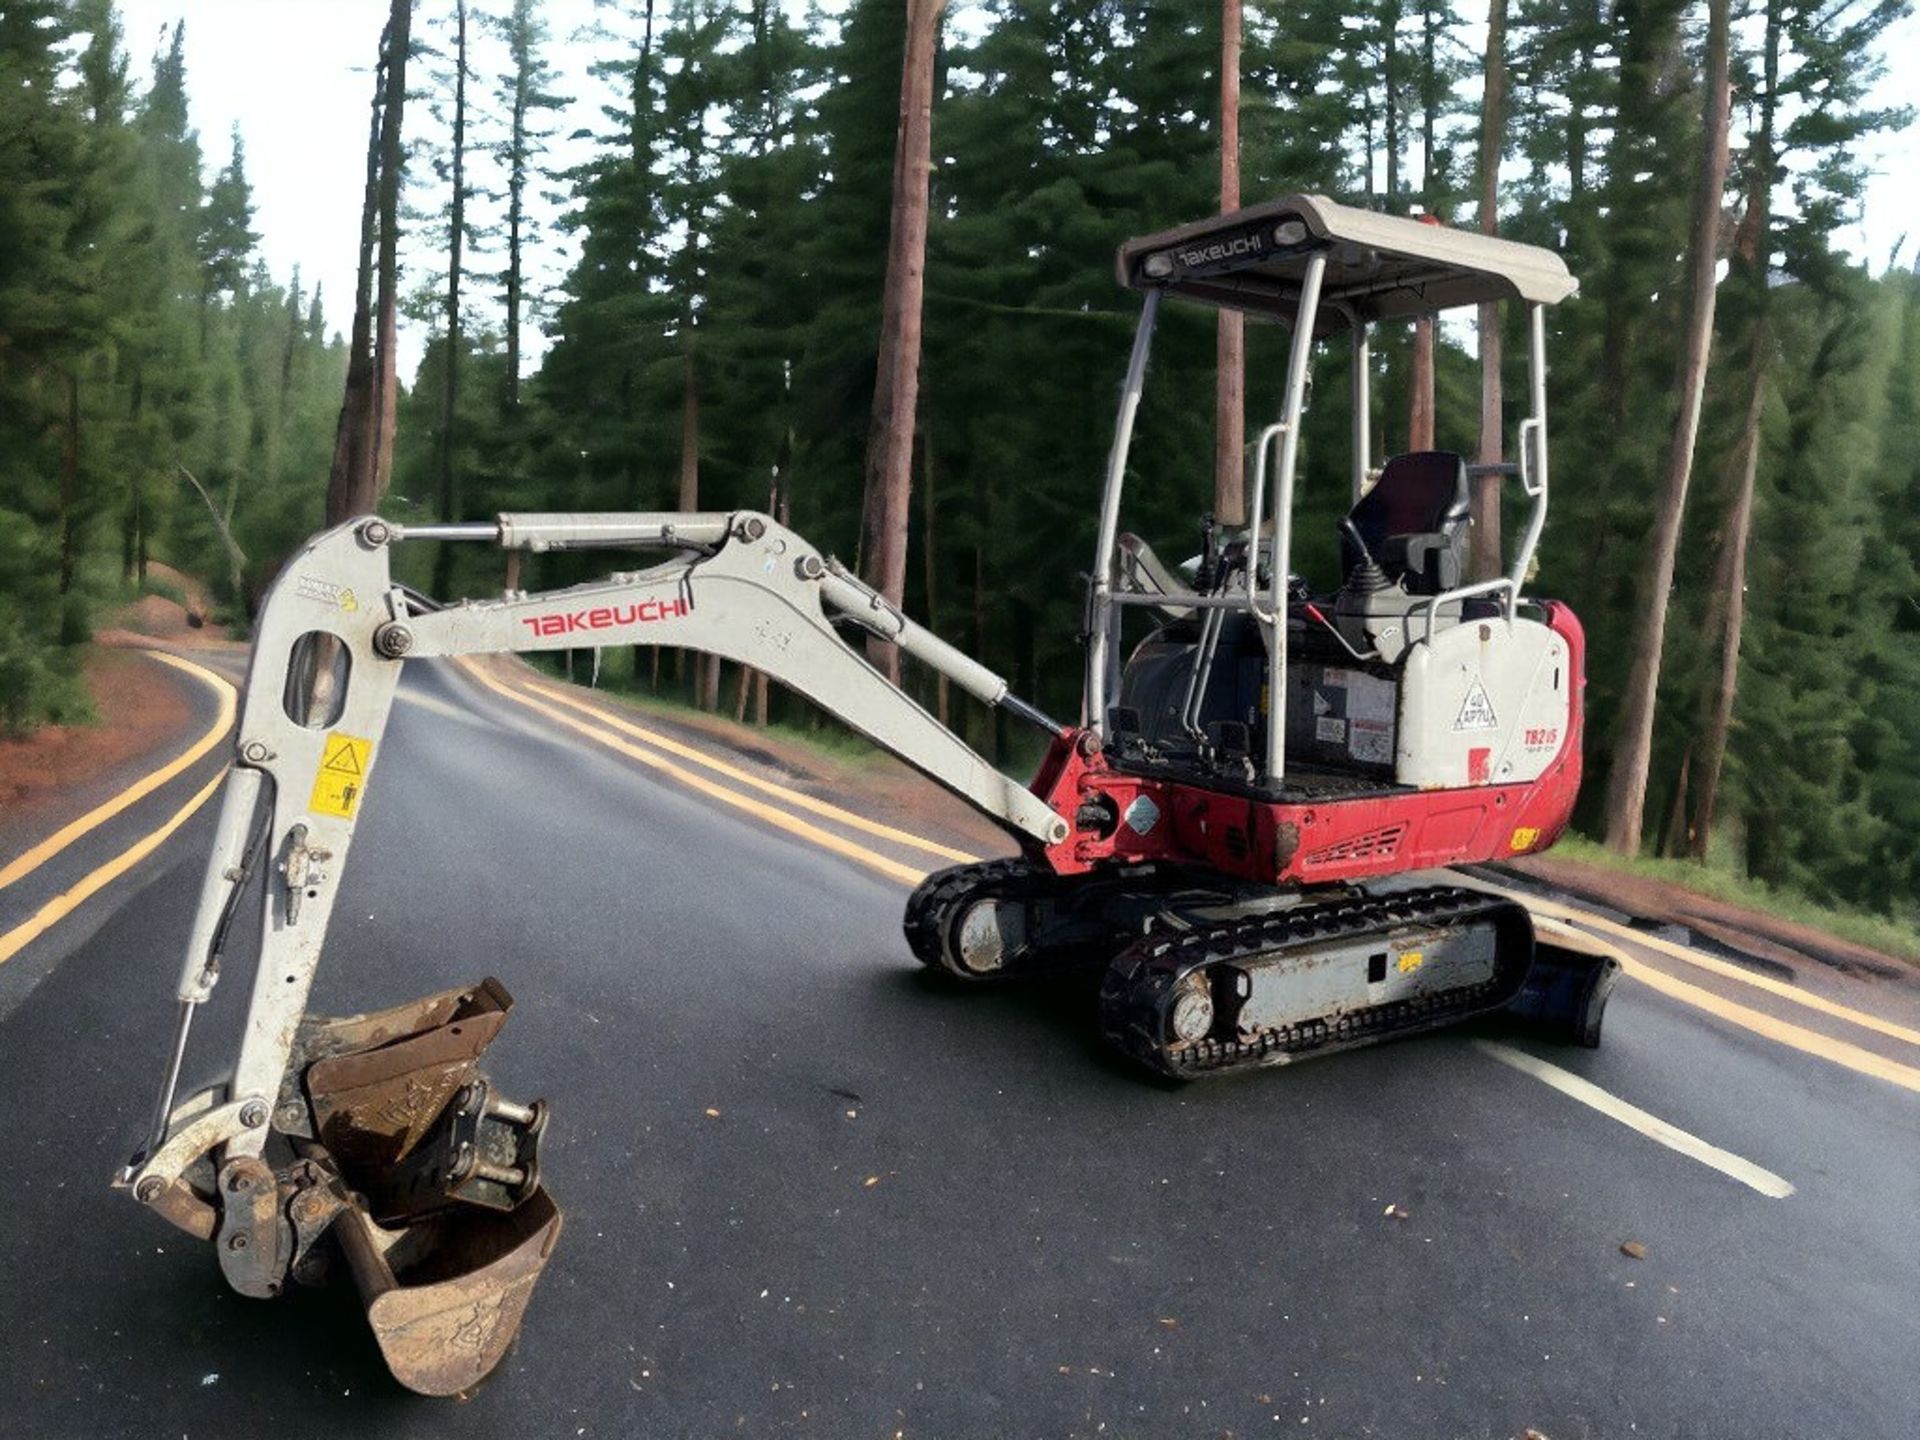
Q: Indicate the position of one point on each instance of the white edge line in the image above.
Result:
(1754, 1177)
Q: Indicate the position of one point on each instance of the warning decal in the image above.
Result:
(1476, 711)
(343, 775)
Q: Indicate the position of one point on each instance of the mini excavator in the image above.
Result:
(1232, 828)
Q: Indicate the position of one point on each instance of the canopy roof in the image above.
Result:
(1379, 267)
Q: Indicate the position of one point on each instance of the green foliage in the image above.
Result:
(1897, 934)
(139, 341)
(721, 313)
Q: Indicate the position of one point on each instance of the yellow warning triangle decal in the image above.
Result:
(344, 758)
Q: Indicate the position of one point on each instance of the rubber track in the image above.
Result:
(929, 908)
(1140, 983)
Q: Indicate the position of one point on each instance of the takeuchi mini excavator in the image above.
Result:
(1254, 762)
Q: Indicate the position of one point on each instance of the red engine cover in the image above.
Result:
(1327, 841)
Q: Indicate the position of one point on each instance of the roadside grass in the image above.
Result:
(1891, 935)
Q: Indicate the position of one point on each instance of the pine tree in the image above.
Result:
(525, 92)
(226, 239)
(889, 469)
(1627, 779)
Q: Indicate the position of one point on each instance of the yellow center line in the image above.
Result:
(779, 819)
(1797, 1037)
(1724, 969)
(733, 772)
(1840, 1052)
(64, 904)
(33, 859)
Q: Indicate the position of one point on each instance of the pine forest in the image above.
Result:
(711, 312)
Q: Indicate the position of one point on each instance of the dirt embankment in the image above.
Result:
(1753, 932)
(142, 711)
(158, 617)
(141, 706)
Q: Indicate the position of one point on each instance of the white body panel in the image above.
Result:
(1488, 702)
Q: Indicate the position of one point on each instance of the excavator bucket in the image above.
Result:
(438, 1208)
(446, 1295)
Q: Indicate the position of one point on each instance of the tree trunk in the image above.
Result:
(1420, 387)
(1389, 67)
(1627, 782)
(70, 485)
(456, 235)
(132, 519)
(889, 466)
(1230, 344)
(516, 213)
(1673, 838)
(689, 430)
(236, 557)
(706, 668)
(1730, 586)
(929, 555)
(350, 489)
(1753, 248)
(392, 160)
(983, 507)
(1484, 558)
(1429, 103)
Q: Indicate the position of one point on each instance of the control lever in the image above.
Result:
(301, 869)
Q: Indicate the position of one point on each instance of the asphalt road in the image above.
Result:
(929, 1212)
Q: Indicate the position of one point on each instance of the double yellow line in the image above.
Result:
(13, 941)
(609, 730)
(1554, 918)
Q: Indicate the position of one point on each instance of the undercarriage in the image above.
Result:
(1204, 976)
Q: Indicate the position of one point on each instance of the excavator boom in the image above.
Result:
(380, 1129)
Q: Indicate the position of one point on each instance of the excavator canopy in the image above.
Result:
(1379, 267)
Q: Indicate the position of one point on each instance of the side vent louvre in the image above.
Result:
(1374, 845)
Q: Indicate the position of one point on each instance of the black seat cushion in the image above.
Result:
(1414, 521)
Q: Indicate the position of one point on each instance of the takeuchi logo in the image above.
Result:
(1248, 244)
(606, 617)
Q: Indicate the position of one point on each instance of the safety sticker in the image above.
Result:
(1476, 711)
(1523, 838)
(312, 587)
(343, 775)
(1371, 741)
(1411, 961)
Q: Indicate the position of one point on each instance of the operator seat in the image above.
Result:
(1414, 522)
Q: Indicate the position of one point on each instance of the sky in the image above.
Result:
(296, 77)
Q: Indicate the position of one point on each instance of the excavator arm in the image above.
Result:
(379, 1130)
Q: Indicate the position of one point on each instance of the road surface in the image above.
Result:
(811, 1191)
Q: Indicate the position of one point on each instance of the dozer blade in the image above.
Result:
(445, 1224)
(1566, 991)
(446, 1295)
